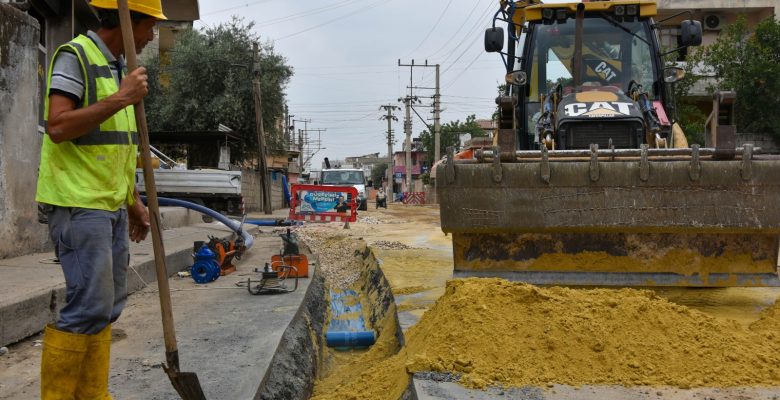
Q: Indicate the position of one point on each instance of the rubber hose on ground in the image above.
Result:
(232, 224)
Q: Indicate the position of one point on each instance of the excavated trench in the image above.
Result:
(303, 356)
(507, 338)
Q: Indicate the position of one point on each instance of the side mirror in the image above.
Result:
(690, 33)
(673, 74)
(518, 78)
(494, 39)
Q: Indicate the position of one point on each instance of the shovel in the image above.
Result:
(185, 383)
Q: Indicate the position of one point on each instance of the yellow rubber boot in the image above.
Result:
(93, 382)
(63, 354)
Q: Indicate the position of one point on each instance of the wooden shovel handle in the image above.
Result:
(169, 331)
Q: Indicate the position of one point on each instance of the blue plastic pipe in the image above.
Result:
(286, 189)
(232, 224)
(350, 338)
(269, 222)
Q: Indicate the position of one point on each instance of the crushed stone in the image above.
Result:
(389, 245)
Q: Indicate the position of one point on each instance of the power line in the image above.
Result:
(455, 79)
(254, 3)
(306, 13)
(460, 27)
(474, 28)
(334, 19)
(433, 28)
(336, 103)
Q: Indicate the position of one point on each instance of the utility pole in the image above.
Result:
(313, 146)
(436, 121)
(261, 151)
(300, 149)
(390, 118)
(300, 140)
(289, 134)
(436, 105)
(408, 143)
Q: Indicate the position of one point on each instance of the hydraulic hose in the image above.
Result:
(232, 224)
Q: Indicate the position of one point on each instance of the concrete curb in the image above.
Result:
(177, 217)
(28, 313)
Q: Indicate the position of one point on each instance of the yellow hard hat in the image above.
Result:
(149, 7)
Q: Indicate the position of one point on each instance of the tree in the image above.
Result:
(205, 80)
(378, 173)
(450, 135)
(688, 113)
(749, 63)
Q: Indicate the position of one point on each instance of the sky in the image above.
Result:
(345, 56)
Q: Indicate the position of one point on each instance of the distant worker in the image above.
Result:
(381, 198)
(86, 185)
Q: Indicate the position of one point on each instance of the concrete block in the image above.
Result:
(20, 141)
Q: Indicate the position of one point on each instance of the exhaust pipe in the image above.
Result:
(327, 163)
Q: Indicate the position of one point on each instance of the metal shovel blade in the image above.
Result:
(185, 383)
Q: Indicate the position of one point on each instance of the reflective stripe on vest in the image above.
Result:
(97, 169)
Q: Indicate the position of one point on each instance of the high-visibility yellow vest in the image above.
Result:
(96, 170)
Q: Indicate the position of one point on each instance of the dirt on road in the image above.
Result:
(491, 332)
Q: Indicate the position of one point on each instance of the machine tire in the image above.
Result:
(206, 218)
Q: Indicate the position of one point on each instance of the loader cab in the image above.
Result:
(616, 49)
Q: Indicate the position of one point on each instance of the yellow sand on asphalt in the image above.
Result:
(494, 332)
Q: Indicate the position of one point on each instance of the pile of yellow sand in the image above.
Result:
(495, 332)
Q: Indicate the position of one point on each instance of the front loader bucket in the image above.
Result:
(663, 218)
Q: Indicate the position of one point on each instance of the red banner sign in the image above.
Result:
(316, 203)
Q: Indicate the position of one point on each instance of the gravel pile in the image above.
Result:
(371, 220)
(388, 245)
(335, 250)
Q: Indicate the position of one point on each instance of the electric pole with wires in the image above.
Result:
(390, 170)
(408, 101)
(436, 104)
(261, 149)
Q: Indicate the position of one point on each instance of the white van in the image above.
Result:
(347, 177)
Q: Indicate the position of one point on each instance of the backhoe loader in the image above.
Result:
(590, 180)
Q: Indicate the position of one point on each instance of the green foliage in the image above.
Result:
(378, 171)
(749, 63)
(206, 79)
(426, 178)
(690, 117)
(692, 122)
(500, 90)
(449, 135)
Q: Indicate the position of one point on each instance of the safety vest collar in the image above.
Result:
(101, 45)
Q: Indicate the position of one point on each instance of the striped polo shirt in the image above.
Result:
(67, 78)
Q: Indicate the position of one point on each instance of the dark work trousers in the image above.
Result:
(93, 248)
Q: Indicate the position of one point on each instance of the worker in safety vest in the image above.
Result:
(86, 185)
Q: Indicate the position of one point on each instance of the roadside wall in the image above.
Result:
(764, 141)
(20, 142)
(251, 189)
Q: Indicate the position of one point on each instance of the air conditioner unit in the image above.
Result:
(712, 22)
